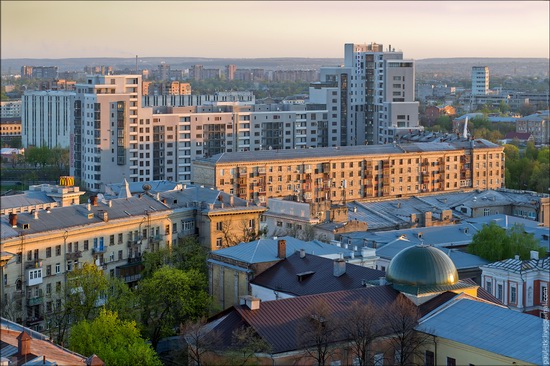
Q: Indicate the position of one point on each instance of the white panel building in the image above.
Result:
(46, 118)
(480, 80)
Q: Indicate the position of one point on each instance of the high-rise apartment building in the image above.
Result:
(376, 94)
(164, 72)
(230, 72)
(480, 80)
(113, 134)
(46, 118)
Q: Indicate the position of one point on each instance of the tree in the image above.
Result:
(495, 243)
(317, 331)
(400, 319)
(169, 298)
(363, 326)
(115, 341)
(87, 290)
(245, 344)
(199, 340)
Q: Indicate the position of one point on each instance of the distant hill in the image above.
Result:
(450, 66)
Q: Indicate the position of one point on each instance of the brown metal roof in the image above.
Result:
(277, 322)
(288, 276)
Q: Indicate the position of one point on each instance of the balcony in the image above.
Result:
(37, 263)
(134, 242)
(73, 255)
(98, 250)
(155, 239)
(36, 300)
(34, 320)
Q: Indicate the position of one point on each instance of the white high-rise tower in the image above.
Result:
(480, 80)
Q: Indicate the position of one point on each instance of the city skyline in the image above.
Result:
(421, 29)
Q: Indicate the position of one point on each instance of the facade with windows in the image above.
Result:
(381, 100)
(46, 118)
(522, 285)
(349, 173)
(480, 80)
(42, 247)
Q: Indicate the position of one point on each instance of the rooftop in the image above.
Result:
(265, 250)
(286, 276)
(342, 151)
(488, 327)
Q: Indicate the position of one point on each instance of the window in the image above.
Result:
(489, 286)
(544, 293)
(57, 268)
(58, 250)
(379, 359)
(120, 238)
(49, 270)
(513, 294)
(429, 359)
(486, 212)
(219, 226)
(218, 242)
(111, 240)
(451, 361)
(279, 223)
(48, 252)
(86, 245)
(499, 292)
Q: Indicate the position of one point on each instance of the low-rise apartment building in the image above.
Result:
(347, 173)
(41, 246)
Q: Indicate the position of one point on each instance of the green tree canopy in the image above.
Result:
(495, 243)
(115, 341)
(169, 298)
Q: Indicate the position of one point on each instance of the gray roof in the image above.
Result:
(313, 275)
(60, 218)
(518, 265)
(265, 250)
(488, 327)
(342, 151)
(28, 198)
(460, 259)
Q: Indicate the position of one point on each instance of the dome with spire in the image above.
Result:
(422, 266)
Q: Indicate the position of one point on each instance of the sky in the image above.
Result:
(264, 29)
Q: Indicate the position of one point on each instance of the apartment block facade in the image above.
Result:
(342, 174)
(480, 80)
(380, 102)
(46, 118)
(42, 246)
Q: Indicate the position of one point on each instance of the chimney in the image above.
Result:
(281, 249)
(339, 267)
(516, 257)
(534, 254)
(93, 200)
(302, 253)
(231, 200)
(13, 219)
(89, 206)
(24, 343)
(252, 303)
(110, 203)
(35, 214)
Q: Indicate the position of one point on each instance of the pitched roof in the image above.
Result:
(313, 275)
(518, 135)
(488, 327)
(265, 250)
(518, 265)
(341, 151)
(277, 322)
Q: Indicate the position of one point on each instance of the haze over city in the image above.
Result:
(243, 29)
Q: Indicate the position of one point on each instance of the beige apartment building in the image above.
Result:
(41, 247)
(341, 174)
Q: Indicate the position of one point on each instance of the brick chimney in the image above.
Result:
(93, 200)
(339, 267)
(281, 249)
(24, 343)
(13, 219)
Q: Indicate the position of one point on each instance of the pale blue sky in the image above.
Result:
(255, 29)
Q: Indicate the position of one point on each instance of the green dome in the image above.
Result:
(422, 265)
